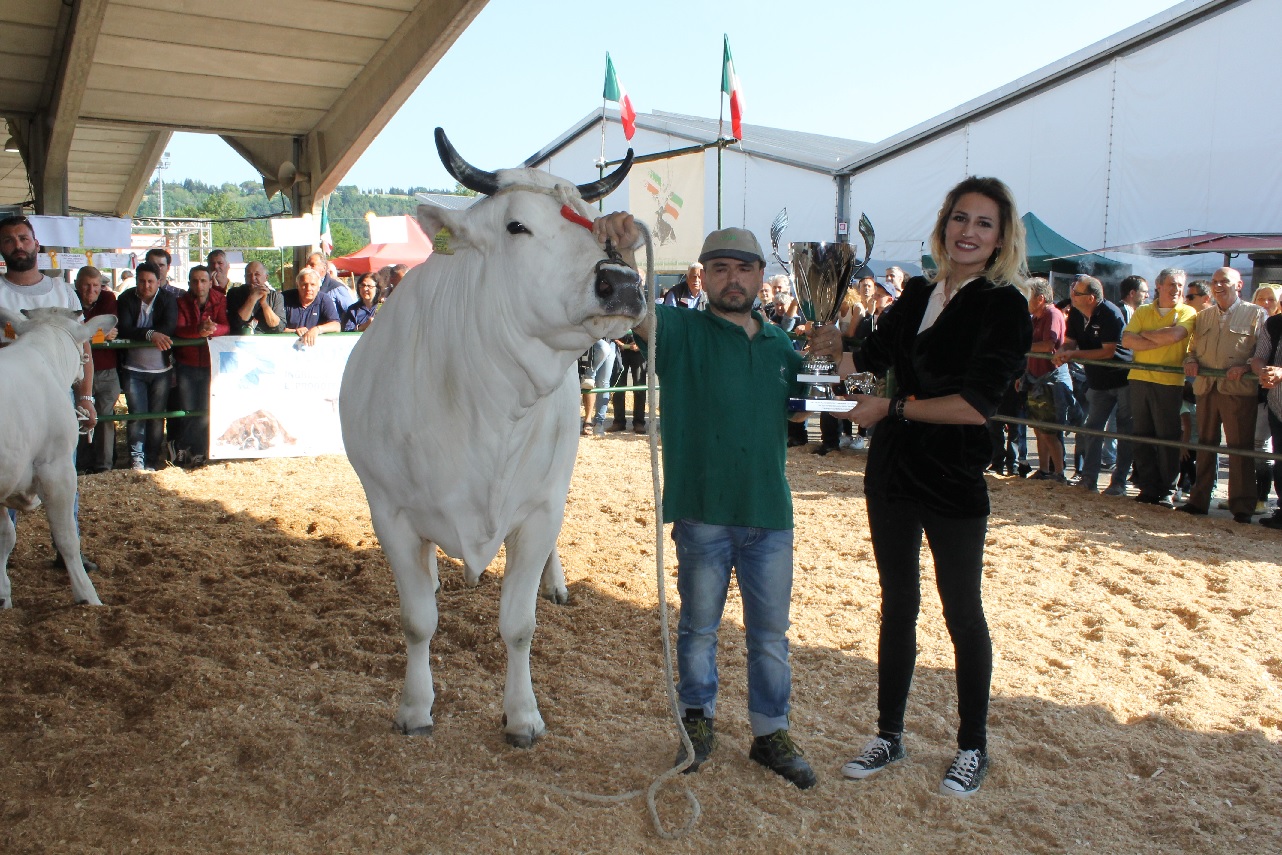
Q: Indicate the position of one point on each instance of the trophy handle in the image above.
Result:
(776, 234)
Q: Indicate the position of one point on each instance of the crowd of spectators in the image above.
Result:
(1129, 367)
(1227, 353)
(164, 377)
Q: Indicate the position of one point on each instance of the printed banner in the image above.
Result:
(667, 195)
(269, 396)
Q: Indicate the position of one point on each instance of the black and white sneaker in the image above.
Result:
(966, 774)
(877, 755)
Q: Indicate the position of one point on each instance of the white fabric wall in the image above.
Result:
(1197, 130)
(1195, 125)
(901, 196)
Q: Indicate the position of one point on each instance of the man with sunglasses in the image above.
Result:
(1095, 332)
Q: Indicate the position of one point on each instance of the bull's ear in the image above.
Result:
(445, 228)
(12, 323)
(91, 327)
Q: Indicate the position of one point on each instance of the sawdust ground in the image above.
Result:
(236, 692)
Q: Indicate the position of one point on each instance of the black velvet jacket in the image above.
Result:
(975, 349)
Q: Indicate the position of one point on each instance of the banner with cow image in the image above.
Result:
(667, 195)
(270, 396)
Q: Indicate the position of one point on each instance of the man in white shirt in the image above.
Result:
(25, 287)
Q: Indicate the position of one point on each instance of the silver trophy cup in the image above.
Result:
(822, 272)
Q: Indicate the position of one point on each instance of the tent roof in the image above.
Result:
(1208, 242)
(1047, 247)
(815, 152)
(376, 256)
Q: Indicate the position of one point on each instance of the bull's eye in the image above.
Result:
(517, 228)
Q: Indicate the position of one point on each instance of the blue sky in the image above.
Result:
(524, 72)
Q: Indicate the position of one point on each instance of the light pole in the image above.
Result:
(160, 177)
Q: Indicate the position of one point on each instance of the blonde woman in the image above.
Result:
(955, 342)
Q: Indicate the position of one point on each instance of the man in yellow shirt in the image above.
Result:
(1158, 334)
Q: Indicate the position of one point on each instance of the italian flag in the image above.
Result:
(730, 86)
(326, 237)
(616, 93)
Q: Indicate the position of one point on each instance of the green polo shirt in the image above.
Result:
(724, 419)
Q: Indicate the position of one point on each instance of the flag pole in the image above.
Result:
(600, 163)
(721, 118)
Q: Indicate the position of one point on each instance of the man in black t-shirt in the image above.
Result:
(1095, 332)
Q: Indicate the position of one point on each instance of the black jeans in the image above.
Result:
(957, 546)
(631, 373)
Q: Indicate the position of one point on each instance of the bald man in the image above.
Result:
(1224, 337)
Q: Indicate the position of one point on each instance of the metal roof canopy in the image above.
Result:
(93, 89)
(814, 152)
(1221, 242)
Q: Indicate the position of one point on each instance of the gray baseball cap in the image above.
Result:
(739, 244)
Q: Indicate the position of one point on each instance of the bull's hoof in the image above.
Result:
(523, 737)
(6, 604)
(520, 740)
(559, 595)
(425, 730)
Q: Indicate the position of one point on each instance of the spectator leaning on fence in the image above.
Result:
(202, 313)
(99, 455)
(1224, 339)
(308, 312)
(1095, 332)
(147, 314)
(255, 307)
(358, 316)
(1158, 335)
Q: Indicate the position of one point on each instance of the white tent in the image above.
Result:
(1138, 137)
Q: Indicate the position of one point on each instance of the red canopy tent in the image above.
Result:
(376, 256)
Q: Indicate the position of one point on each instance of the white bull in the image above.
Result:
(38, 432)
(459, 407)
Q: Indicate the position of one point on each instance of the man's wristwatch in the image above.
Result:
(88, 398)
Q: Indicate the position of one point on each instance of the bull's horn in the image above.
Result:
(464, 173)
(605, 186)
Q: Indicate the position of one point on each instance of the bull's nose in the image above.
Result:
(618, 287)
(611, 277)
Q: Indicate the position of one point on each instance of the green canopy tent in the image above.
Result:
(1050, 252)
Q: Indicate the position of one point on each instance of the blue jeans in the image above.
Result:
(146, 393)
(762, 560)
(193, 394)
(601, 361)
(1103, 403)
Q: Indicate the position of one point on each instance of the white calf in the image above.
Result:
(38, 432)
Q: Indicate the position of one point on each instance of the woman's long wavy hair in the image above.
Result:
(1008, 263)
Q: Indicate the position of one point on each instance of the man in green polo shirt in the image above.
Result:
(726, 376)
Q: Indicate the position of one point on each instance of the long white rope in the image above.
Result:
(652, 431)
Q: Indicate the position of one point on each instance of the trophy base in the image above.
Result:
(819, 405)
